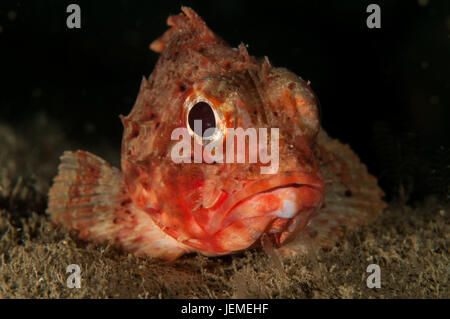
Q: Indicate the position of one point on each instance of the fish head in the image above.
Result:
(193, 192)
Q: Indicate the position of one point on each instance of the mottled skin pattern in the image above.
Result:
(157, 207)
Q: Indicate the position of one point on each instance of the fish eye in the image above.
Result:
(202, 111)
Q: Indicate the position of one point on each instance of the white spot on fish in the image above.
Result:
(288, 211)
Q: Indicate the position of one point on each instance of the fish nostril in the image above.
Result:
(135, 133)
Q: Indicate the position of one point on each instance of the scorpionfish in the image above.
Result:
(163, 208)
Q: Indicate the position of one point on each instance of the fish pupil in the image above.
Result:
(202, 111)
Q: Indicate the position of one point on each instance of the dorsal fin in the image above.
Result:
(188, 21)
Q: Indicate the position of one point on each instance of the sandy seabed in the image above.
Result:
(410, 244)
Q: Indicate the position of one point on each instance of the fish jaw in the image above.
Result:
(265, 207)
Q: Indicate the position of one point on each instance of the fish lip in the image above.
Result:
(280, 181)
(268, 185)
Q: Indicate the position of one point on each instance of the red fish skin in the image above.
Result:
(220, 208)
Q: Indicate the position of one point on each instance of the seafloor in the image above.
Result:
(410, 244)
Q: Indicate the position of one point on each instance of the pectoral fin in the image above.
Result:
(352, 196)
(90, 197)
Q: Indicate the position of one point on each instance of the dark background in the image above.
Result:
(383, 91)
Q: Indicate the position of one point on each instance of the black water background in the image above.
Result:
(385, 92)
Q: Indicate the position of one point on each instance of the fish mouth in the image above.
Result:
(282, 197)
(279, 206)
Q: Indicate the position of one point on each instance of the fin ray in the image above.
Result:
(90, 197)
(352, 196)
